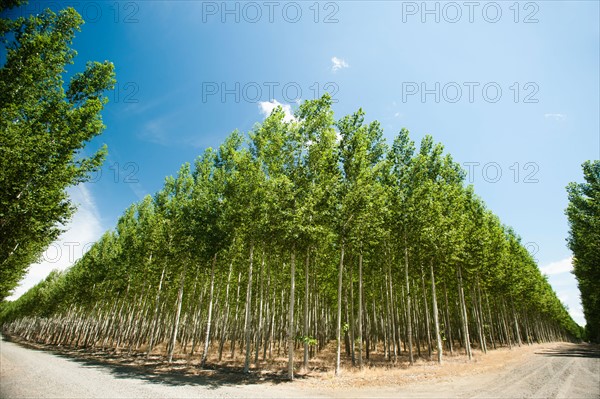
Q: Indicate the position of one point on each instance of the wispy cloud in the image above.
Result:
(155, 131)
(338, 63)
(556, 117)
(84, 229)
(161, 130)
(266, 107)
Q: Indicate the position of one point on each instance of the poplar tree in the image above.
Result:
(583, 213)
(44, 127)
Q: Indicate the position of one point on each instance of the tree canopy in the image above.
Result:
(44, 127)
(301, 233)
(583, 213)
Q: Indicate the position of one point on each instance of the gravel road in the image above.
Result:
(555, 371)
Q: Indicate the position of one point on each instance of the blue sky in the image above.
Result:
(511, 90)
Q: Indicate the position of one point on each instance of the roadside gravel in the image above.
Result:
(537, 371)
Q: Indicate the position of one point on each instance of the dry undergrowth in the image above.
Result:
(377, 371)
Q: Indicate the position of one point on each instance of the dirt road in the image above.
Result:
(539, 371)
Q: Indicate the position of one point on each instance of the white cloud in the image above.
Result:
(561, 266)
(556, 117)
(84, 229)
(565, 285)
(338, 64)
(266, 107)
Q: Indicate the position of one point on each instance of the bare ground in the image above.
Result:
(546, 371)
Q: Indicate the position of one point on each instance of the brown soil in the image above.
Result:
(378, 371)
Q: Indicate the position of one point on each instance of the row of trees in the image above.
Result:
(43, 128)
(583, 213)
(304, 234)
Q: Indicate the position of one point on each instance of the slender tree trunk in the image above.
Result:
(259, 332)
(177, 315)
(492, 331)
(478, 321)
(248, 317)
(388, 321)
(436, 321)
(352, 323)
(226, 316)
(465, 324)
(416, 319)
(268, 317)
(155, 317)
(291, 316)
(427, 326)
(481, 316)
(408, 307)
(339, 313)
(448, 326)
(517, 331)
(306, 332)
(210, 308)
(360, 311)
(505, 325)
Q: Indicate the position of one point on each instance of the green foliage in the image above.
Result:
(306, 186)
(43, 130)
(583, 213)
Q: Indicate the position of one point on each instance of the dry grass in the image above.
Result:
(378, 371)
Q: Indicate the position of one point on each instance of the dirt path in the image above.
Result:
(537, 371)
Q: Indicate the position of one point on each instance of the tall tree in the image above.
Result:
(378, 230)
(583, 213)
(43, 129)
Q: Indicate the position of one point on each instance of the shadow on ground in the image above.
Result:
(158, 371)
(582, 350)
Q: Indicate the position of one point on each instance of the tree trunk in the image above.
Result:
(436, 321)
(210, 308)
(291, 316)
(226, 316)
(155, 317)
(259, 332)
(448, 325)
(247, 318)
(177, 315)
(236, 314)
(306, 332)
(352, 323)
(339, 313)
(465, 324)
(492, 332)
(517, 331)
(360, 312)
(408, 308)
(427, 326)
